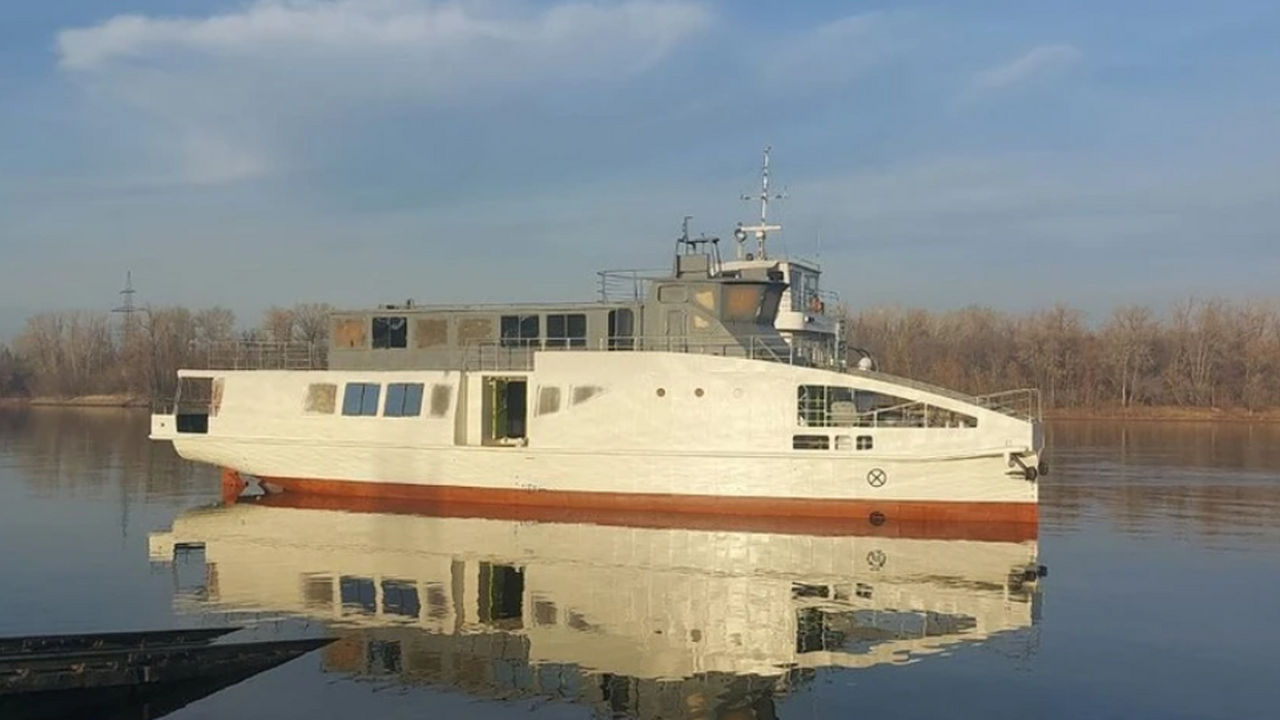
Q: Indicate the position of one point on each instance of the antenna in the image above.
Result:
(127, 307)
(762, 229)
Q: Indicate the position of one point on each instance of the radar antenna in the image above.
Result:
(762, 229)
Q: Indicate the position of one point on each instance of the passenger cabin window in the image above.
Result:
(441, 396)
(567, 330)
(390, 332)
(520, 330)
(322, 398)
(403, 400)
(810, 442)
(361, 399)
(834, 406)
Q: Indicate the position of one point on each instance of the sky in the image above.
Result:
(1006, 154)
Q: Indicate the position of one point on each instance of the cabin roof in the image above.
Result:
(416, 308)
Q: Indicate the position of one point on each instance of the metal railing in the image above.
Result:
(260, 355)
(495, 355)
(627, 285)
(1022, 403)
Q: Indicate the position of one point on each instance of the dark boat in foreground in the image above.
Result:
(130, 674)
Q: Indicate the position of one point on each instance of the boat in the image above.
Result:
(593, 611)
(148, 673)
(692, 392)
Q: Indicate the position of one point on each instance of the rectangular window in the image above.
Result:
(567, 330)
(520, 330)
(403, 400)
(810, 442)
(358, 594)
(833, 406)
(390, 332)
(441, 395)
(322, 398)
(361, 399)
(864, 442)
(621, 329)
(400, 597)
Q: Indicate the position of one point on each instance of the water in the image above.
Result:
(1160, 542)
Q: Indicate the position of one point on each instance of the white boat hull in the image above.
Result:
(717, 436)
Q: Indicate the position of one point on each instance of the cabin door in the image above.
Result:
(505, 410)
(676, 334)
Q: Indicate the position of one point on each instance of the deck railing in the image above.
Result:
(260, 355)
(627, 285)
(519, 356)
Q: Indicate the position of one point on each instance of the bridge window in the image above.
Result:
(567, 330)
(864, 442)
(361, 399)
(520, 330)
(403, 400)
(621, 329)
(390, 332)
(742, 302)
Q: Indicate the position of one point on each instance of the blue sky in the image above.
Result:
(359, 151)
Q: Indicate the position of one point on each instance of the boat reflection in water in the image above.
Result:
(634, 615)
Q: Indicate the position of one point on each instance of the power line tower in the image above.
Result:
(126, 307)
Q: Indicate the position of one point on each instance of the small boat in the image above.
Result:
(129, 674)
(717, 387)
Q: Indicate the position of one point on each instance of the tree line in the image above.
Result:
(1201, 354)
(1198, 354)
(77, 354)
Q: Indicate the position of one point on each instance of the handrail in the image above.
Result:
(259, 355)
(627, 284)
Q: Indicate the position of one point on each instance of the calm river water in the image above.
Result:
(1161, 541)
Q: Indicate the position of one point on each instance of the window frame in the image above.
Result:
(389, 337)
(366, 400)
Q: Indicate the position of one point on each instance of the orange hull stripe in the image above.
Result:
(1004, 521)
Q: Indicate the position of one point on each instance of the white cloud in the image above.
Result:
(835, 52)
(222, 92)
(1040, 62)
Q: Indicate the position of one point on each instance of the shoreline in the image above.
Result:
(1163, 414)
(83, 401)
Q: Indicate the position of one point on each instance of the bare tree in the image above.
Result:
(278, 324)
(1128, 339)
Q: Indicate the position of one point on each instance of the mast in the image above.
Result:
(761, 229)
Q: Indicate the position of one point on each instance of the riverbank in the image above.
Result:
(82, 401)
(1165, 414)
